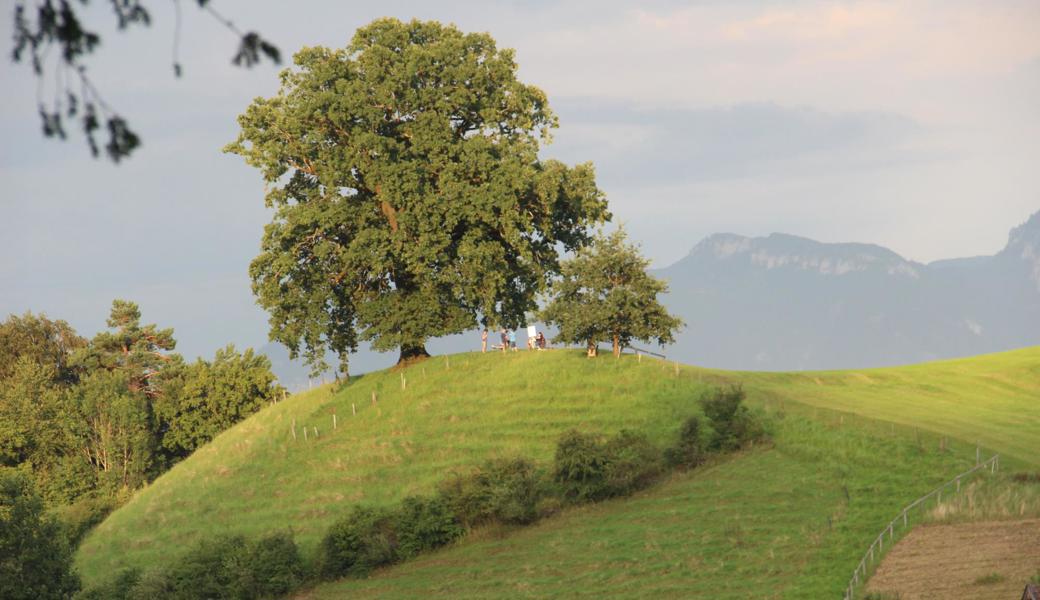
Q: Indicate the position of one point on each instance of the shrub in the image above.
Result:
(153, 584)
(424, 524)
(690, 449)
(634, 463)
(588, 469)
(733, 424)
(82, 515)
(580, 466)
(269, 568)
(117, 588)
(504, 490)
(207, 570)
(363, 540)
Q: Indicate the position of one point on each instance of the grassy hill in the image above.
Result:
(793, 518)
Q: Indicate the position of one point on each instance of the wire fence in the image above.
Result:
(872, 556)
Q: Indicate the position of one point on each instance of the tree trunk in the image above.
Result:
(412, 352)
(617, 346)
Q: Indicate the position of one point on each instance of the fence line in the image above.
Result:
(651, 353)
(873, 553)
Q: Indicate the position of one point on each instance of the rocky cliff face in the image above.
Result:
(1024, 245)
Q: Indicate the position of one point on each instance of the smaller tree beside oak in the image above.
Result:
(605, 293)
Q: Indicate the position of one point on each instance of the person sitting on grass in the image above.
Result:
(539, 341)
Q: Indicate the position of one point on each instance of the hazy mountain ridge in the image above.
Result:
(787, 302)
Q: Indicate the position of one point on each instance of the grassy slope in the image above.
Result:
(732, 528)
(993, 399)
(255, 477)
(776, 522)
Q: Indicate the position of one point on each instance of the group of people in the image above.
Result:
(508, 338)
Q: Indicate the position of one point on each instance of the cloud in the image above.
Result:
(634, 146)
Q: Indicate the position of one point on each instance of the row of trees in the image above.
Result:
(93, 418)
(411, 202)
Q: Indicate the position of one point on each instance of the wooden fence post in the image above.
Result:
(404, 382)
(334, 418)
(294, 429)
(353, 409)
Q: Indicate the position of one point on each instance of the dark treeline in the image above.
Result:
(89, 421)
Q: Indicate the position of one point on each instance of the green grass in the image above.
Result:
(256, 477)
(993, 399)
(793, 519)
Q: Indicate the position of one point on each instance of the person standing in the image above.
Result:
(505, 339)
(512, 339)
(483, 340)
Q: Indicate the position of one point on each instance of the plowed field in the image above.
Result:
(982, 561)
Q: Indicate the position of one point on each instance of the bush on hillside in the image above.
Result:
(424, 524)
(734, 426)
(634, 463)
(270, 567)
(363, 540)
(152, 584)
(221, 567)
(588, 468)
(505, 491)
(207, 570)
(690, 450)
(580, 466)
(82, 515)
(119, 587)
(35, 558)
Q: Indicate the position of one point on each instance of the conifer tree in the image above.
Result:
(138, 351)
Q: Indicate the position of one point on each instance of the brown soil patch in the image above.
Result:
(961, 561)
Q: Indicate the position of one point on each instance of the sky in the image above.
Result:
(914, 125)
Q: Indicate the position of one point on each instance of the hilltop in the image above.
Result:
(460, 410)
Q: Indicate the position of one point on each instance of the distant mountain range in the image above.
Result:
(788, 303)
(784, 302)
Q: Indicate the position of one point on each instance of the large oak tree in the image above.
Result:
(410, 199)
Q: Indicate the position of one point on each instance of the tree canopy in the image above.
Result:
(41, 340)
(410, 199)
(125, 409)
(605, 294)
(35, 559)
(134, 349)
